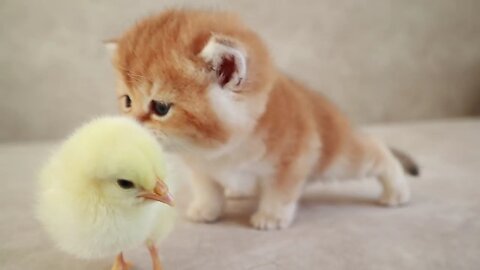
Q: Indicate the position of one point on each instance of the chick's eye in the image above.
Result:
(128, 101)
(125, 184)
(161, 108)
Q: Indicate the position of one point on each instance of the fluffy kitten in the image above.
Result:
(207, 87)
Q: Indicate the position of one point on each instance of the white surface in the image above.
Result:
(339, 226)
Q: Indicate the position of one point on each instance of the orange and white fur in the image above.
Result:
(206, 85)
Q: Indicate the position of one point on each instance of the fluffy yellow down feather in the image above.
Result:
(95, 193)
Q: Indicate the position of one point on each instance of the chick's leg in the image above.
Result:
(120, 263)
(157, 265)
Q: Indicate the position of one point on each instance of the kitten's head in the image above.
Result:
(194, 78)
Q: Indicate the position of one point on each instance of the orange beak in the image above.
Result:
(160, 193)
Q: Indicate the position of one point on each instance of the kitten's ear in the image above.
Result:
(111, 45)
(227, 59)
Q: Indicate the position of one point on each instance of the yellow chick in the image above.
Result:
(98, 192)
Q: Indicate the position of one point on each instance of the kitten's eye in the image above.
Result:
(128, 101)
(125, 184)
(161, 108)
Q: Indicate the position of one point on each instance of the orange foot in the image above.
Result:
(120, 263)
(154, 254)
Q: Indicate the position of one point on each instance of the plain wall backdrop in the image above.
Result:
(379, 60)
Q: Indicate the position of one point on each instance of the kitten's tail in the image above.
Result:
(408, 164)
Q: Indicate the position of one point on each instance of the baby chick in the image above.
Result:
(97, 192)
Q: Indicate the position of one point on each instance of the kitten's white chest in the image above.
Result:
(241, 167)
(238, 183)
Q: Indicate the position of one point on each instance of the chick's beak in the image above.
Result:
(160, 193)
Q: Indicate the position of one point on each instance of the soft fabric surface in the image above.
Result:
(339, 225)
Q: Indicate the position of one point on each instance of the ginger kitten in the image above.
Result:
(205, 84)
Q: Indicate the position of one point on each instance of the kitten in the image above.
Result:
(207, 87)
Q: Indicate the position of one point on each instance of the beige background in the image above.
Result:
(379, 60)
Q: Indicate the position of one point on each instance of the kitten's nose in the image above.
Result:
(141, 113)
(142, 117)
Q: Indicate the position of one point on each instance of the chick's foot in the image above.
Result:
(157, 265)
(121, 264)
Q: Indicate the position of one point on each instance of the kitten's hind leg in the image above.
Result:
(391, 176)
(368, 157)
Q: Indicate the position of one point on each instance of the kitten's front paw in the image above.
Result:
(204, 212)
(265, 221)
(397, 197)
